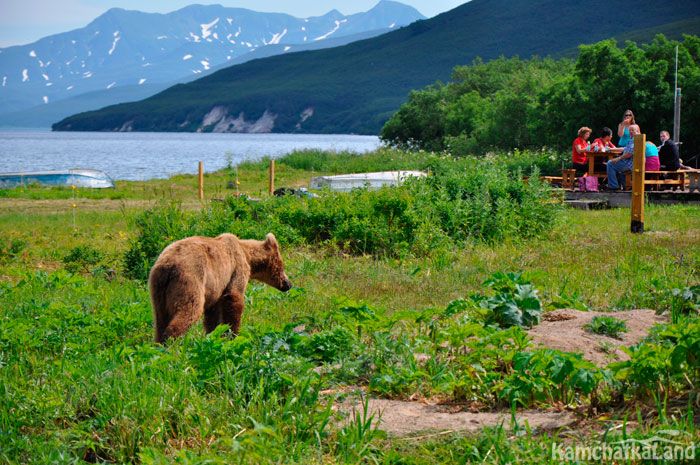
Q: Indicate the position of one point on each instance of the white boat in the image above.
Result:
(79, 178)
(371, 181)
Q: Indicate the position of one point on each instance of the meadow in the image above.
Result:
(422, 293)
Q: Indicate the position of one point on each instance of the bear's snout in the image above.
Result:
(286, 285)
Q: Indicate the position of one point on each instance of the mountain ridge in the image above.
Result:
(356, 87)
(127, 47)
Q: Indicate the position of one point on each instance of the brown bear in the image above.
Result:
(208, 276)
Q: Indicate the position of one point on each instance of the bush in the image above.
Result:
(607, 326)
(82, 259)
(477, 202)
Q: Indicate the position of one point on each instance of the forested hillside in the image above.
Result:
(506, 104)
(358, 87)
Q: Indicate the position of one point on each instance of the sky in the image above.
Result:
(26, 21)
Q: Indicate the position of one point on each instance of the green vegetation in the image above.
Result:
(400, 316)
(607, 325)
(475, 202)
(356, 88)
(530, 104)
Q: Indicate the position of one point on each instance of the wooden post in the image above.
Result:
(272, 176)
(201, 180)
(677, 117)
(640, 142)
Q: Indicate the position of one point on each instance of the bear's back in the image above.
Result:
(212, 259)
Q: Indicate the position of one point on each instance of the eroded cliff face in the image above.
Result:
(218, 119)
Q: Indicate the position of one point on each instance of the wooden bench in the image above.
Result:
(656, 181)
(568, 179)
(693, 180)
(674, 179)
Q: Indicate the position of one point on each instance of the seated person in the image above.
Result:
(604, 142)
(579, 157)
(580, 146)
(618, 165)
(651, 158)
(668, 153)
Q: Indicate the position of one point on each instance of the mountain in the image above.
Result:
(357, 87)
(131, 48)
(43, 115)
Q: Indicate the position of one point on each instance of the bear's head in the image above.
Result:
(269, 267)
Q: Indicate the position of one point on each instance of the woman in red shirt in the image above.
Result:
(580, 146)
(604, 142)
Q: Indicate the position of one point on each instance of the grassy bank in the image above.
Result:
(83, 382)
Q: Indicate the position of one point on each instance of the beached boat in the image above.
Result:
(372, 181)
(79, 178)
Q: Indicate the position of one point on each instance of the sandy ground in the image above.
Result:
(64, 206)
(563, 330)
(400, 418)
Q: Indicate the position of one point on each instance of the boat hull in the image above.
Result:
(371, 181)
(93, 179)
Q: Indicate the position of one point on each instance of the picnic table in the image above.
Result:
(592, 155)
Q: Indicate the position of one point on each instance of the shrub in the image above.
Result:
(459, 202)
(607, 326)
(515, 304)
(82, 258)
(11, 248)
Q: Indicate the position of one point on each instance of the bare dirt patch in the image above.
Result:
(563, 330)
(399, 418)
(65, 206)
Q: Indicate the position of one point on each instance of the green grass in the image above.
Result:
(83, 382)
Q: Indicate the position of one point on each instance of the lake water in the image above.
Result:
(145, 155)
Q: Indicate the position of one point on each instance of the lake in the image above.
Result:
(137, 156)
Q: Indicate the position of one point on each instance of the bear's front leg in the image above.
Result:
(212, 317)
(231, 307)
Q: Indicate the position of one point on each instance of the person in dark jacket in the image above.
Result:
(668, 153)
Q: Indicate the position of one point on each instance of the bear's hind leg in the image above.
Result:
(185, 313)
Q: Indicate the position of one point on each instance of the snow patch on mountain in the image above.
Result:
(337, 26)
(114, 44)
(276, 38)
(206, 28)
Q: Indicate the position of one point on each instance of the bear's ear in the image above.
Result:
(270, 240)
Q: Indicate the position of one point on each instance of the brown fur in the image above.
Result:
(203, 276)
